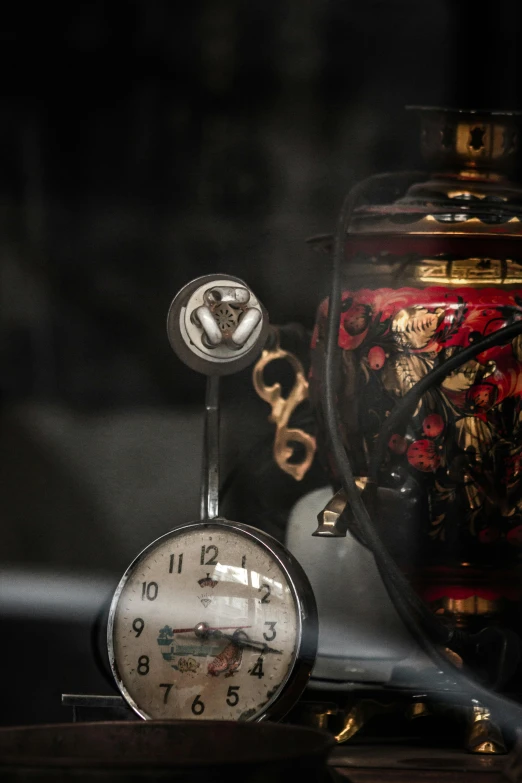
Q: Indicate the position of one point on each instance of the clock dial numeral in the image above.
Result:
(198, 708)
(167, 691)
(143, 665)
(233, 695)
(138, 625)
(265, 599)
(205, 551)
(257, 669)
(172, 564)
(272, 636)
(149, 590)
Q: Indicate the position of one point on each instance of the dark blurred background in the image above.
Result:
(143, 144)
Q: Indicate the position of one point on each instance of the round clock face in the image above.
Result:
(206, 623)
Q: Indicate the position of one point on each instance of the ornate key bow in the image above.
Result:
(282, 409)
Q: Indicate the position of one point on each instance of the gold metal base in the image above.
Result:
(483, 735)
(359, 715)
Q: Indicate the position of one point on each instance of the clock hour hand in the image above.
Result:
(242, 640)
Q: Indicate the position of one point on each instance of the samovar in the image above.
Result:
(428, 400)
(426, 276)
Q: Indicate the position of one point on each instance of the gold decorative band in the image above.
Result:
(474, 605)
(469, 271)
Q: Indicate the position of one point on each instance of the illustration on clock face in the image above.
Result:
(227, 662)
(226, 656)
(174, 650)
(207, 583)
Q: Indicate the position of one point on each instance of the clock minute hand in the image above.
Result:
(202, 629)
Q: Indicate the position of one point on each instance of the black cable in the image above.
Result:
(408, 403)
(412, 611)
(390, 572)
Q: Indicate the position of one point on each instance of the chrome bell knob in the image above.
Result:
(216, 325)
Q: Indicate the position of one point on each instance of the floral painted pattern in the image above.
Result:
(462, 448)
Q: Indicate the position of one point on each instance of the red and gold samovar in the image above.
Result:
(430, 269)
(424, 374)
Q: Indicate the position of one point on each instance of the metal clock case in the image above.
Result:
(242, 654)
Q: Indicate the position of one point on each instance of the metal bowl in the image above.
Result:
(209, 751)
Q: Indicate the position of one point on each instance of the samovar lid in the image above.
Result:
(469, 140)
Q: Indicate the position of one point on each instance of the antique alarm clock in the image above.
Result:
(215, 619)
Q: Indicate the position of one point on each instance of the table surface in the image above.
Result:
(372, 763)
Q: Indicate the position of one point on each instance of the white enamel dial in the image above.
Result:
(207, 623)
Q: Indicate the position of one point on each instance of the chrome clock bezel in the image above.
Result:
(306, 612)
